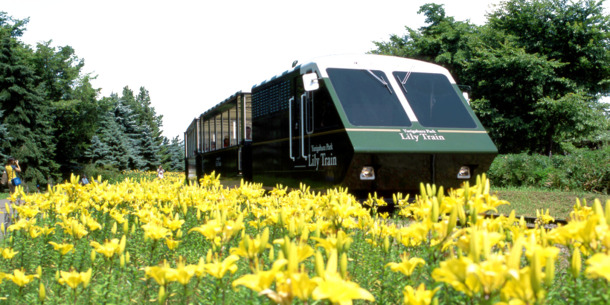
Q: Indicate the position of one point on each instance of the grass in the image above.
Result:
(525, 201)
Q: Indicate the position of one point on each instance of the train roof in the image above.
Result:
(220, 106)
(363, 61)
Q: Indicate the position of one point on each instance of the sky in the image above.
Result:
(190, 55)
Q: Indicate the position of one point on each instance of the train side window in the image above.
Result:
(206, 135)
(309, 112)
(326, 116)
(248, 128)
(233, 125)
(434, 100)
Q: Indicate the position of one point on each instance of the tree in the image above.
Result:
(575, 33)
(74, 104)
(4, 137)
(26, 112)
(172, 154)
(536, 69)
(110, 146)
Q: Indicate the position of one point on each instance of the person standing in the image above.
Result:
(12, 168)
(160, 172)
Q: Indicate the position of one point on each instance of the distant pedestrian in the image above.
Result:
(160, 172)
(84, 180)
(12, 168)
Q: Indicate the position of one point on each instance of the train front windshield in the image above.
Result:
(368, 99)
(434, 100)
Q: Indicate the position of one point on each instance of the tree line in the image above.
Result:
(54, 121)
(535, 71)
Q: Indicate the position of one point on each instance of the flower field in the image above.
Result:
(159, 241)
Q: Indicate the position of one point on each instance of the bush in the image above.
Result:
(582, 170)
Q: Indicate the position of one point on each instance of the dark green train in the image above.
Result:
(370, 123)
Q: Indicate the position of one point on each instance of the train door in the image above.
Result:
(297, 144)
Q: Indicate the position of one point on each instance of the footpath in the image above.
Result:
(5, 216)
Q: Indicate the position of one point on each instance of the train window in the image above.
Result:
(367, 98)
(206, 135)
(248, 116)
(233, 125)
(434, 100)
(225, 129)
(218, 138)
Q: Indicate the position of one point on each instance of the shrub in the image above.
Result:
(582, 170)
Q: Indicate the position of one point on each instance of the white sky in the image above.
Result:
(191, 55)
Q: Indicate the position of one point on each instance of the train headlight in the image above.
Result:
(464, 173)
(367, 173)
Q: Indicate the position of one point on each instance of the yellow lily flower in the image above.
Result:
(18, 277)
(407, 265)
(8, 253)
(421, 296)
(261, 280)
(182, 274)
(74, 278)
(219, 269)
(109, 248)
(457, 272)
(62, 248)
(598, 266)
(338, 290)
(155, 232)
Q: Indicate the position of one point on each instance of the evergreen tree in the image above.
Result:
(4, 137)
(149, 150)
(110, 146)
(128, 125)
(27, 114)
(173, 154)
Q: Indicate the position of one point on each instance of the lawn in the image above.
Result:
(525, 201)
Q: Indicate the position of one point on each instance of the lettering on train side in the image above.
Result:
(322, 155)
(420, 134)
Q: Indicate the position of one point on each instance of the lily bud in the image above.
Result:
(386, 244)
(122, 244)
(434, 210)
(93, 254)
(264, 239)
(126, 227)
(343, 265)
(576, 263)
(42, 292)
(114, 227)
(319, 264)
(162, 294)
(271, 254)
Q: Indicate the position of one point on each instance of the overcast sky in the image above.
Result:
(191, 55)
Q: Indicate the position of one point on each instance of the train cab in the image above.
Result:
(370, 123)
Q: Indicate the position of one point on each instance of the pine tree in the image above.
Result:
(175, 155)
(4, 137)
(149, 150)
(27, 114)
(128, 125)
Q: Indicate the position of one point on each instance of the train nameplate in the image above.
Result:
(322, 155)
(420, 134)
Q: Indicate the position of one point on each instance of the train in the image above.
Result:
(368, 123)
